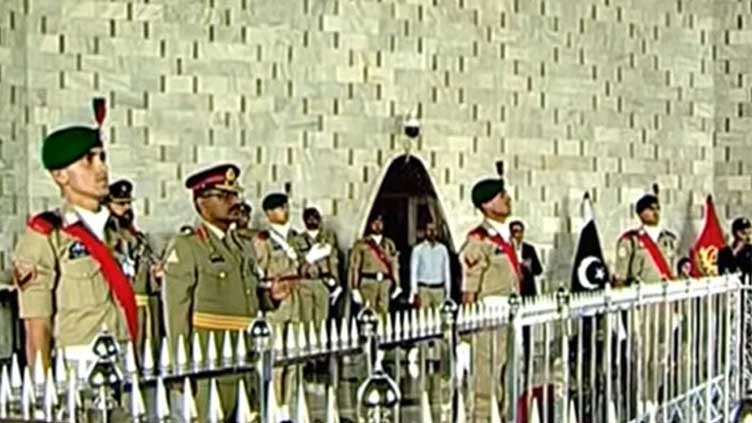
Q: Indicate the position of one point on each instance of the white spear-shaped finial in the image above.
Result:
(332, 411)
(323, 338)
(301, 407)
(165, 358)
(344, 333)
(425, 408)
(50, 396)
(422, 322)
(461, 416)
(534, 414)
(290, 347)
(279, 339)
(313, 342)
(5, 392)
(380, 326)
(27, 395)
(334, 336)
(148, 364)
(243, 413)
(61, 368)
(71, 399)
(138, 409)
(216, 414)
(181, 356)
(388, 330)
(572, 413)
(190, 413)
(397, 326)
(495, 417)
(16, 381)
(227, 350)
(131, 365)
(406, 325)
(241, 351)
(354, 336)
(197, 354)
(39, 372)
(415, 324)
(301, 336)
(430, 321)
(163, 406)
(211, 351)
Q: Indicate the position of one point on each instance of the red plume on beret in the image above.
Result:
(99, 104)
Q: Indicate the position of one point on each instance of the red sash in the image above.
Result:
(499, 241)
(380, 255)
(655, 253)
(119, 284)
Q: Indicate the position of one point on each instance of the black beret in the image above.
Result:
(740, 224)
(224, 177)
(274, 200)
(310, 212)
(645, 202)
(121, 191)
(485, 190)
(65, 146)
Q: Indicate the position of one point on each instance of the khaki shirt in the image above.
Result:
(325, 267)
(277, 259)
(634, 262)
(57, 278)
(209, 284)
(486, 268)
(363, 261)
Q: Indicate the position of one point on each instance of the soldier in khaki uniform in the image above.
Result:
(210, 282)
(278, 261)
(317, 248)
(67, 265)
(141, 263)
(243, 225)
(374, 267)
(647, 255)
(491, 272)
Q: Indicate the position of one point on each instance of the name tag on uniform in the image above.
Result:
(77, 250)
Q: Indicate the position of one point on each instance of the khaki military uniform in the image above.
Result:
(59, 279)
(634, 263)
(210, 285)
(489, 272)
(278, 260)
(371, 275)
(322, 272)
(146, 289)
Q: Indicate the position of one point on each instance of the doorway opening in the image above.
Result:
(408, 199)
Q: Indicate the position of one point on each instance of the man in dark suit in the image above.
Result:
(737, 257)
(531, 266)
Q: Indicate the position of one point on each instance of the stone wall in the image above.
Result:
(602, 95)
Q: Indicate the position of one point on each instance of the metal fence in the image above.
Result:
(669, 352)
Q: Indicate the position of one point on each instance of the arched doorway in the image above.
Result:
(409, 199)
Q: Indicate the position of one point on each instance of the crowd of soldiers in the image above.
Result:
(86, 265)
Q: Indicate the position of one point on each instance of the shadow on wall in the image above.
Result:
(559, 261)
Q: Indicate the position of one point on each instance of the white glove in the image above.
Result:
(334, 295)
(463, 359)
(357, 297)
(397, 292)
(411, 298)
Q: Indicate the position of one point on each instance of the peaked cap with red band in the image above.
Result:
(223, 177)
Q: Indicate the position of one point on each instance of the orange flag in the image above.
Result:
(704, 254)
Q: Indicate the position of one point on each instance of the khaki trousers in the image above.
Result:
(376, 294)
(314, 301)
(431, 297)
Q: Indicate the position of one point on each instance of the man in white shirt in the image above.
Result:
(430, 277)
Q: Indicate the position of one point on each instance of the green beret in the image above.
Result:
(272, 201)
(485, 190)
(65, 146)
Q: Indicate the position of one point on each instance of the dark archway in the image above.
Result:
(408, 198)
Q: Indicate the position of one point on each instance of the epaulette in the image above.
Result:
(479, 232)
(263, 235)
(45, 222)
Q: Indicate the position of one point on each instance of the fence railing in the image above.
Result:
(668, 352)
